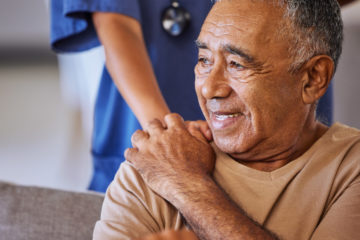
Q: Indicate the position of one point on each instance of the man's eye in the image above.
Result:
(204, 61)
(236, 65)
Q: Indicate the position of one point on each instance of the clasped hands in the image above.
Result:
(171, 158)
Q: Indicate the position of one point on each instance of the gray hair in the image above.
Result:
(315, 27)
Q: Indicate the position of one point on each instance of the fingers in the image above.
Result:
(195, 131)
(155, 126)
(138, 138)
(178, 235)
(171, 235)
(204, 128)
(174, 120)
(188, 235)
(130, 154)
(197, 128)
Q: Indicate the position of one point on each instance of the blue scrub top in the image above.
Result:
(173, 61)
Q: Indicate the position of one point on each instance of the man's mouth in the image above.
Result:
(222, 117)
(221, 120)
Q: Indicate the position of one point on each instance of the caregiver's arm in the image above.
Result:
(129, 65)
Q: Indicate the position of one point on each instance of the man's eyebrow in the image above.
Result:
(200, 44)
(233, 50)
(241, 53)
(229, 48)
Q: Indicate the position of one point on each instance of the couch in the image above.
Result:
(35, 213)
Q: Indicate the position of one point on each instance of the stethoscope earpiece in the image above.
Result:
(175, 19)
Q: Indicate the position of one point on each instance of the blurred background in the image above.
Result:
(46, 101)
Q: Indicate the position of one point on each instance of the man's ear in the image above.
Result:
(318, 72)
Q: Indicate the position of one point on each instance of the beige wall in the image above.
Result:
(24, 23)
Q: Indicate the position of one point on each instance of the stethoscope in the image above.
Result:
(175, 19)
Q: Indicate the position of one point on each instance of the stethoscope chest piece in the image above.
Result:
(175, 19)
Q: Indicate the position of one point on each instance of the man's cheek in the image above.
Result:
(198, 85)
(201, 99)
(202, 103)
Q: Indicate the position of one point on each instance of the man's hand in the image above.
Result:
(199, 129)
(171, 235)
(170, 158)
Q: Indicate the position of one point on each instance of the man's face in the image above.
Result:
(252, 103)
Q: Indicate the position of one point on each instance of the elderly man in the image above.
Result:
(273, 171)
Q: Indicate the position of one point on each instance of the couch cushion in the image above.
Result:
(41, 213)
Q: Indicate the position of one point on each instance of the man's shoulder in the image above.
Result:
(128, 179)
(161, 210)
(349, 138)
(339, 156)
(344, 141)
(131, 209)
(337, 139)
(344, 131)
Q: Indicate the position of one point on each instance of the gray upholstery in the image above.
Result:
(38, 213)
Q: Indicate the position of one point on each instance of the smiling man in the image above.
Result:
(273, 171)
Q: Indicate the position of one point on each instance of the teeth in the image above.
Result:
(223, 117)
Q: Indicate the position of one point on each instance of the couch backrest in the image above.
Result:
(34, 213)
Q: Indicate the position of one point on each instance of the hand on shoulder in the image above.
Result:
(170, 157)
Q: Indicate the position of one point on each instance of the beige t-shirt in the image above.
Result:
(316, 196)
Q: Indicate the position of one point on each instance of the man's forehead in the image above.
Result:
(230, 12)
(253, 11)
(222, 27)
(229, 20)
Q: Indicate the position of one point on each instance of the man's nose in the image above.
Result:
(216, 85)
